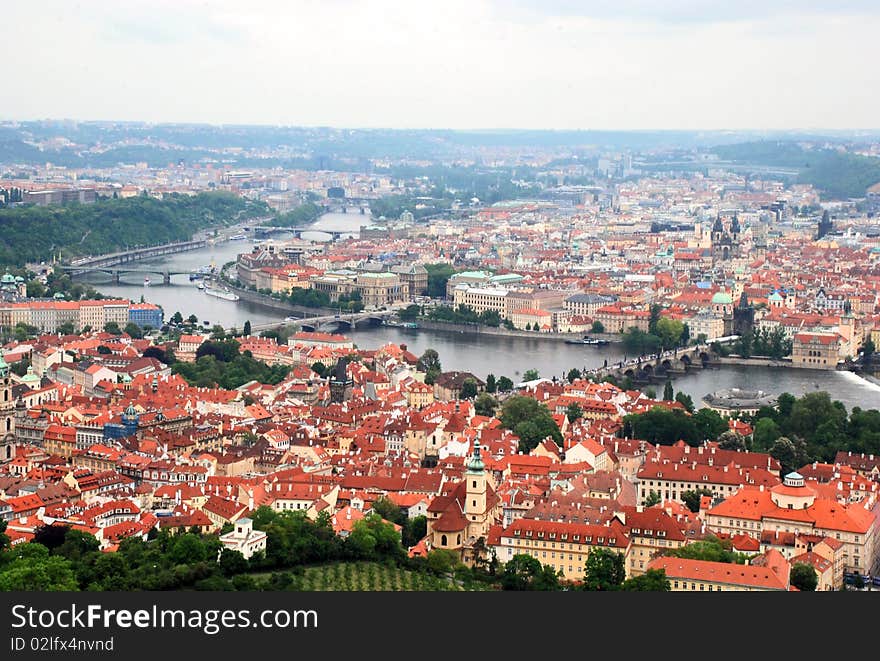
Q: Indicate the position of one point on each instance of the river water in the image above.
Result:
(479, 354)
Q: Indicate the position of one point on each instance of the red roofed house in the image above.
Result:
(703, 575)
(815, 350)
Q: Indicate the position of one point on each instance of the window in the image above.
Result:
(443, 541)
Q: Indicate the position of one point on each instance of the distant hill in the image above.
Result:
(32, 233)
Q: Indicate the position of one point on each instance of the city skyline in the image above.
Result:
(474, 65)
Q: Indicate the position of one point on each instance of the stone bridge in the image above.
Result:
(658, 368)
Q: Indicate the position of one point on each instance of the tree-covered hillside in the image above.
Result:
(37, 233)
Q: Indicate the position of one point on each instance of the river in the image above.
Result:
(480, 354)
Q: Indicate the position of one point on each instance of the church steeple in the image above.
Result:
(475, 465)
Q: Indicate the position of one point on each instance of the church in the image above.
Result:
(460, 518)
(7, 414)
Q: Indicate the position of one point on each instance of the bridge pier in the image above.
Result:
(166, 278)
(116, 276)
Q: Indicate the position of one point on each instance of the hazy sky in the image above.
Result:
(563, 64)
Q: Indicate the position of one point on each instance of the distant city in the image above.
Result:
(447, 359)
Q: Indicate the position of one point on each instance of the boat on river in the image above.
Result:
(590, 341)
(224, 293)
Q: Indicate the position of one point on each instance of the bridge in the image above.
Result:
(346, 321)
(659, 367)
(115, 258)
(298, 232)
(117, 272)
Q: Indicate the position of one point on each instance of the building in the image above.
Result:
(341, 384)
(586, 305)
(146, 314)
(481, 299)
(244, 539)
(815, 350)
(795, 507)
(448, 385)
(562, 545)
(728, 401)
(459, 520)
(380, 289)
(687, 575)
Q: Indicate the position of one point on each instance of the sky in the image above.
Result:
(461, 64)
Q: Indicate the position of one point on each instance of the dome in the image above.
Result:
(131, 411)
(722, 298)
(774, 297)
(19, 279)
(30, 377)
(7, 279)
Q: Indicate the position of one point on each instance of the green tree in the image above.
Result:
(669, 331)
(597, 327)
(409, 313)
(655, 311)
(246, 331)
(530, 420)
(668, 392)
(804, 577)
(685, 400)
(232, 562)
(661, 426)
(523, 572)
(66, 328)
(319, 368)
(491, 385)
(604, 570)
(638, 342)
(573, 375)
(653, 580)
(652, 499)
(504, 384)
(133, 330)
(765, 432)
(791, 453)
(868, 350)
(531, 375)
(574, 412)
(730, 440)
(112, 327)
(468, 389)
(710, 425)
(30, 567)
(691, 498)
(438, 276)
(485, 404)
(429, 361)
(414, 530)
(710, 548)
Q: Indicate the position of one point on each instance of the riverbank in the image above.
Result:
(476, 329)
(269, 303)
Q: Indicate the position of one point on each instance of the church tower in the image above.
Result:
(7, 414)
(477, 487)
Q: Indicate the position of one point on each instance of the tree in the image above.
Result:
(685, 400)
(668, 392)
(710, 425)
(409, 313)
(112, 327)
(661, 426)
(177, 318)
(652, 499)
(104, 350)
(765, 432)
(485, 404)
(531, 375)
(491, 386)
(319, 368)
(653, 580)
(604, 570)
(414, 530)
(133, 330)
(790, 453)
(574, 412)
(638, 342)
(530, 420)
(804, 577)
(710, 548)
(730, 440)
(691, 499)
(655, 311)
(246, 331)
(30, 567)
(429, 361)
(192, 319)
(66, 328)
(597, 327)
(468, 389)
(669, 331)
(232, 562)
(442, 561)
(523, 572)
(389, 510)
(504, 384)
(868, 350)
(573, 375)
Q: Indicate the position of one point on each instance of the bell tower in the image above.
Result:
(476, 488)
(7, 414)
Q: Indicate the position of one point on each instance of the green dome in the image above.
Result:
(722, 298)
(774, 297)
(7, 279)
(30, 377)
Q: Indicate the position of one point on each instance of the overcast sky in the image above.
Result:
(557, 64)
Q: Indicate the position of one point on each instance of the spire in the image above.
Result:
(475, 465)
(4, 367)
